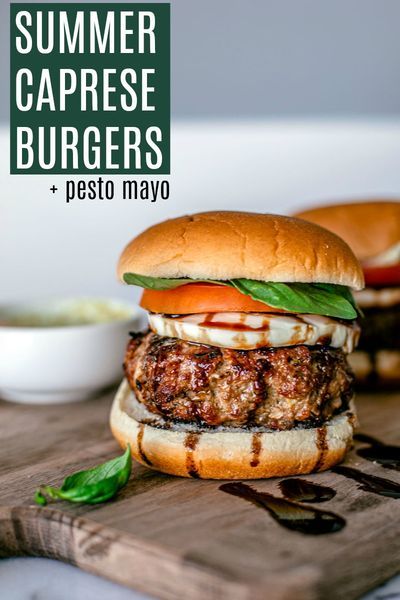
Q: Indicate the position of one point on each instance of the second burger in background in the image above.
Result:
(243, 373)
(372, 230)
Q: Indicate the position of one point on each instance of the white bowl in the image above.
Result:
(51, 364)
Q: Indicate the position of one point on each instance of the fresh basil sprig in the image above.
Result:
(93, 486)
(312, 298)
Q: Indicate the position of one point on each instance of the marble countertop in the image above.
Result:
(45, 579)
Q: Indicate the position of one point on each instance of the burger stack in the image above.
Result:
(243, 372)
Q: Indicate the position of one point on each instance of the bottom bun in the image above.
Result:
(381, 367)
(227, 453)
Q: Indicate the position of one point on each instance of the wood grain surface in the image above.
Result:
(185, 539)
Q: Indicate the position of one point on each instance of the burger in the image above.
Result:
(372, 230)
(243, 371)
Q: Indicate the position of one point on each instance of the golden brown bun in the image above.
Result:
(368, 227)
(229, 245)
(380, 368)
(226, 454)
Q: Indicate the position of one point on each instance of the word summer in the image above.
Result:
(123, 32)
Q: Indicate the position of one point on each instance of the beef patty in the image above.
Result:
(277, 388)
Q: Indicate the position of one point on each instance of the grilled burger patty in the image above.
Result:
(276, 388)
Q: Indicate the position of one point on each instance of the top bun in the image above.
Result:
(230, 245)
(368, 227)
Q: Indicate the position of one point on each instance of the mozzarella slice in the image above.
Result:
(246, 331)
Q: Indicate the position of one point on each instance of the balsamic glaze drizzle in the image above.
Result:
(191, 441)
(142, 453)
(370, 483)
(304, 519)
(302, 490)
(386, 455)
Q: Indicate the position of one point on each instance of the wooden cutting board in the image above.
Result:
(185, 539)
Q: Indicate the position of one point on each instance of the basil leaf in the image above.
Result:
(343, 291)
(92, 486)
(39, 498)
(337, 289)
(318, 299)
(159, 283)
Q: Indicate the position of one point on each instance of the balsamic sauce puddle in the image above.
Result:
(386, 455)
(301, 490)
(370, 483)
(287, 513)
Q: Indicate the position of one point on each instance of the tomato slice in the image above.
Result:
(201, 298)
(389, 275)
